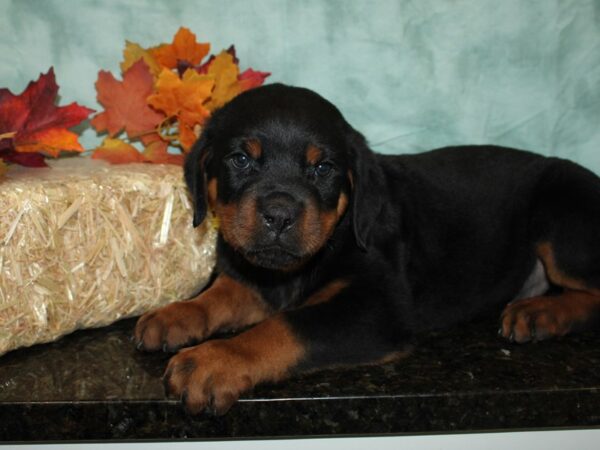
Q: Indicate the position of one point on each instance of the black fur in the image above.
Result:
(427, 240)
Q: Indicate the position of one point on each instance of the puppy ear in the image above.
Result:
(367, 185)
(196, 163)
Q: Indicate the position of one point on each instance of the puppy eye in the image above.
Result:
(240, 161)
(323, 169)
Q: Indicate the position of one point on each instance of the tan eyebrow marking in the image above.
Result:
(313, 154)
(254, 148)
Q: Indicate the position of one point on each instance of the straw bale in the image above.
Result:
(84, 243)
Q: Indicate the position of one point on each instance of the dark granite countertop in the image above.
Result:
(94, 385)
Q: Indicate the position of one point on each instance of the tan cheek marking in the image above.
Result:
(313, 154)
(254, 148)
(212, 193)
(238, 222)
(316, 226)
(342, 205)
(326, 293)
(330, 219)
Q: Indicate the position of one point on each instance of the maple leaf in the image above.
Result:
(203, 68)
(183, 98)
(32, 122)
(184, 48)
(157, 153)
(225, 86)
(125, 105)
(225, 72)
(134, 52)
(251, 78)
(10, 155)
(116, 151)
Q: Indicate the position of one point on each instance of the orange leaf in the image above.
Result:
(157, 153)
(225, 71)
(124, 102)
(183, 48)
(116, 151)
(31, 121)
(187, 135)
(182, 98)
(176, 95)
(133, 53)
(51, 141)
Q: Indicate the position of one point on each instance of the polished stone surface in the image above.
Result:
(94, 385)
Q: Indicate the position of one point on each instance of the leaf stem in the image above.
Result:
(164, 127)
(8, 135)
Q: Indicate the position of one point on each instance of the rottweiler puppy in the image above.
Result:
(330, 254)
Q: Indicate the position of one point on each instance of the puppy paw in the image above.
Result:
(169, 328)
(209, 377)
(534, 319)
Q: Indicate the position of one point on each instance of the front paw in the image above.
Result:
(210, 376)
(171, 327)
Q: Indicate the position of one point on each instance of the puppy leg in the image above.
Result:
(576, 308)
(566, 224)
(227, 304)
(212, 375)
(346, 330)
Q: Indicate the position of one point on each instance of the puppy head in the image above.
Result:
(279, 166)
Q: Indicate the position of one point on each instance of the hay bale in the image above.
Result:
(84, 243)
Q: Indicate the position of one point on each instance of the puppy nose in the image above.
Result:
(279, 211)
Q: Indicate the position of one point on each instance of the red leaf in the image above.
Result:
(24, 159)
(37, 123)
(124, 102)
(251, 78)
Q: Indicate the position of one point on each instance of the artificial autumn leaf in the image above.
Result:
(187, 135)
(249, 79)
(116, 151)
(225, 72)
(33, 122)
(183, 98)
(184, 48)
(157, 153)
(203, 68)
(9, 155)
(125, 105)
(134, 52)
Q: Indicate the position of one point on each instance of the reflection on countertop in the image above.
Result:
(93, 384)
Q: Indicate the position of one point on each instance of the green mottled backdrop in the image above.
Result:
(411, 74)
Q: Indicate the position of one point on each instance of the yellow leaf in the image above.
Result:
(134, 52)
(225, 71)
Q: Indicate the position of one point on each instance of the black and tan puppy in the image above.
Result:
(338, 255)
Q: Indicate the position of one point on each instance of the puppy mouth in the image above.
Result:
(274, 257)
